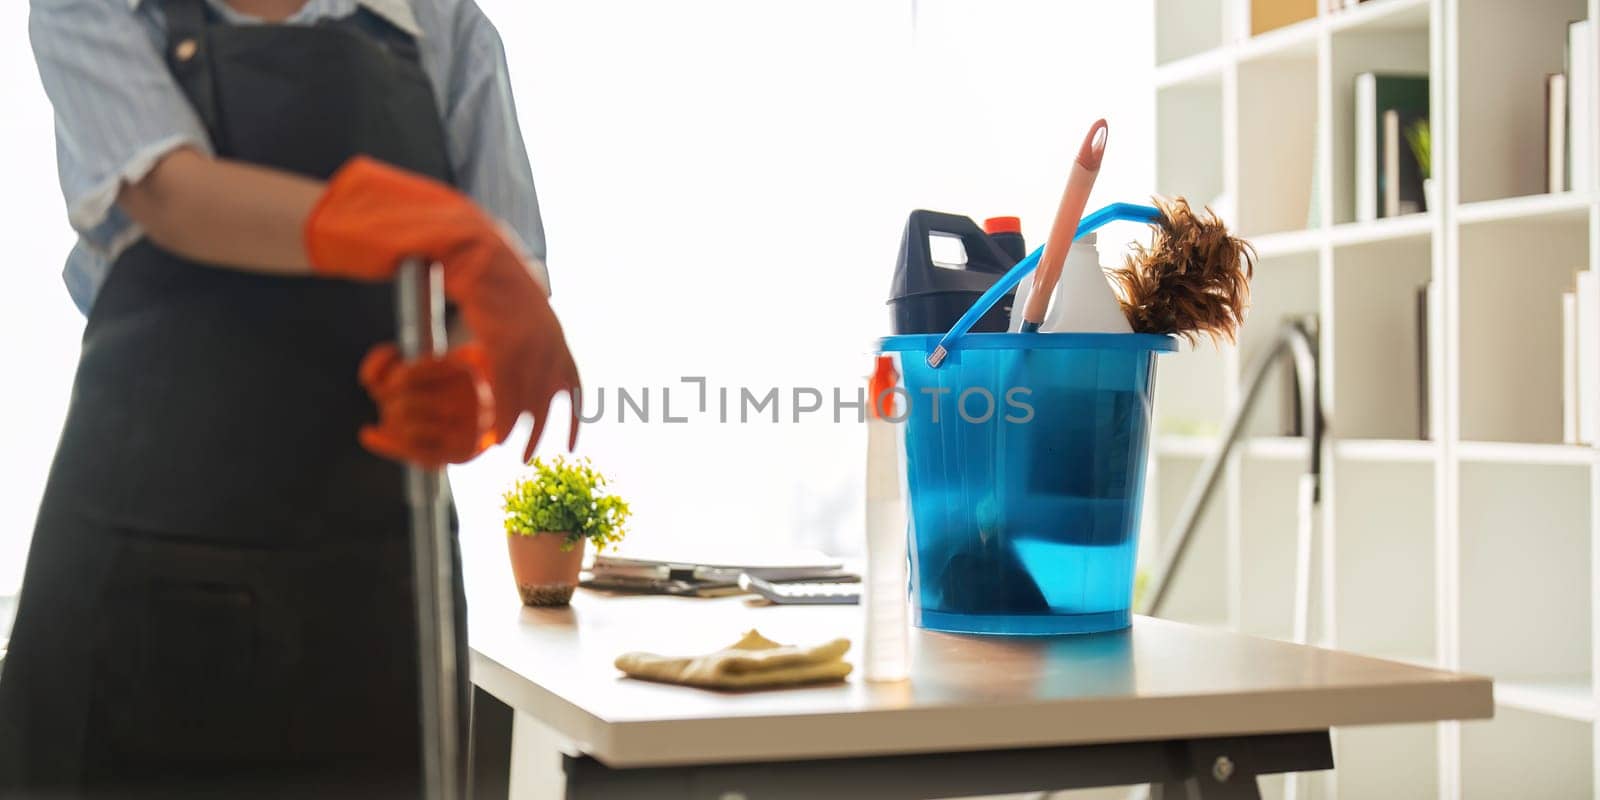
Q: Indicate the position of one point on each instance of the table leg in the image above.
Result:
(1169, 790)
(1226, 768)
(489, 750)
(1195, 789)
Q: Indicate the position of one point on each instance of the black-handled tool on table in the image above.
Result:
(419, 304)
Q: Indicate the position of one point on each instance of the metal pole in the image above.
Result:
(419, 296)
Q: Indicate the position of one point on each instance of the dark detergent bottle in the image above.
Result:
(1007, 233)
(928, 296)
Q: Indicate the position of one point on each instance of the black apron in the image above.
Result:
(218, 596)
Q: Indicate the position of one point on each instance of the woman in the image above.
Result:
(217, 600)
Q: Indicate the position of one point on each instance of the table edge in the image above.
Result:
(698, 740)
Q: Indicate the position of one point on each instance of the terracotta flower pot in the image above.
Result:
(546, 575)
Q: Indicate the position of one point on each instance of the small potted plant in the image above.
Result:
(550, 514)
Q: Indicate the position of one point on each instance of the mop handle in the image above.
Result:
(419, 308)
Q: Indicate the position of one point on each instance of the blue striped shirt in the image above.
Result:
(118, 111)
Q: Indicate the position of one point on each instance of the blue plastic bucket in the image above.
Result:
(1025, 463)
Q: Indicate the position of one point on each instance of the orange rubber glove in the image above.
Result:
(373, 215)
(431, 412)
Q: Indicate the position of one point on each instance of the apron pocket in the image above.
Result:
(181, 672)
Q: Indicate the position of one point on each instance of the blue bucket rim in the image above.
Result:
(926, 342)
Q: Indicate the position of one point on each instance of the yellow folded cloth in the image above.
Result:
(753, 662)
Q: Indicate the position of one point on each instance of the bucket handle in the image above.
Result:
(1129, 212)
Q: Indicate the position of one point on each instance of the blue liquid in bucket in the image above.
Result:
(1025, 512)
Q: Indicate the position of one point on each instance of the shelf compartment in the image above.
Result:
(1277, 141)
(1189, 391)
(1396, 762)
(1508, 49)
(1357, 49)
(1199, 592)
(1284, 287)
(1521, 754)
(1267, 531)
(1524, 581)
(1569, 698)
(1512, 275)
(1377, 377)
(1186, 28)
(1189, 156)
(1384, 523)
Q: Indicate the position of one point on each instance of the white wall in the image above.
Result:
(39, 326)
(724, 185)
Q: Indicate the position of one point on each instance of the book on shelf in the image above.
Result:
(1580, 110)
(1569, 367)
(1389, 178)
(1366, 147)
(1267, 15)
(1388, 175)
(1555, 132)
(1427, 307)
(1588, 356)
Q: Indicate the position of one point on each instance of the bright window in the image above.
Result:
(724, 186)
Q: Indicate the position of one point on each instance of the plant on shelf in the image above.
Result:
(1420, 138)
(1421, 141)
(550, 514)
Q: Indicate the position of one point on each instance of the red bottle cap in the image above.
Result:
(995, 225)
(885, 377)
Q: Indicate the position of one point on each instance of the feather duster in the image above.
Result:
(1193, 280)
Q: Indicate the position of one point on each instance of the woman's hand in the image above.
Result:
(507, 312)
(431, 412)
(373, 216)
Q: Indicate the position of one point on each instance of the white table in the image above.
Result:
(1193, 711)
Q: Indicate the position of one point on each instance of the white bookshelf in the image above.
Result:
(1475, 549)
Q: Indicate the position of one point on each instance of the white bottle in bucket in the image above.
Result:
(885, 650)
(1083, 301)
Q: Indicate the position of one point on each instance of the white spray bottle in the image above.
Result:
(886, 650)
